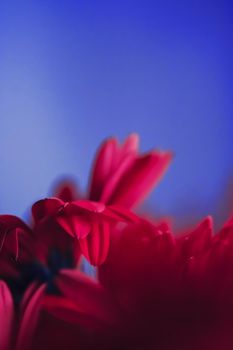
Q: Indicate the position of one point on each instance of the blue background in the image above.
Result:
(75, 72)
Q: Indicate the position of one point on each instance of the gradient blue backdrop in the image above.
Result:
(74, 72)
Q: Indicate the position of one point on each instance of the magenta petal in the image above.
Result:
(194, 243)
(104, 163)
(74, 225)
(112, 184)
(122, 177)
(31, 306)
(229, 222)
(131, 144)
(90, 206)
(95, 246)
(9, 222)
(64, 309)
(46, 207)
(66, 190)
(225, 234)
(111, 163)
(140, 179)
(121, 214)
(6, 316)
(11, 228)
(89, 296)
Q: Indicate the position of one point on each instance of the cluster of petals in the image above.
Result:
(152, 289)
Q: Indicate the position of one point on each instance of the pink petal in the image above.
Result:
(6, 317)
(131, 144)
(96, 245)
(66, 310)
(95, 207)
(112, 182)
(74, 225)
(105, 159)
(13, 231)
(66, 190)
(46, 207)
(140, 179)
(31, 306)
(199, 240)
(9, 222)
(229, 222)
(225, 235)
(90, 298)
(120, 214)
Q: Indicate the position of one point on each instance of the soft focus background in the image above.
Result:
(75, 72)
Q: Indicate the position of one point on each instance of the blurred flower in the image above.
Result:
(153, 290)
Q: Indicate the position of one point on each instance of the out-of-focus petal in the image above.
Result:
(10, 222)
(113, 181)
(66, 310)
(131, 144)
(30, 311)
(196, 242)
(66, 190)
(141, 177)
(90, 298)
(112, 161)
(46, 207)
(103, 165)
(87, 205)
(119, 213)
(15, 240)
(75, 225)
(96, 245)
(137, 253)
(121, 176)
(6, 317)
